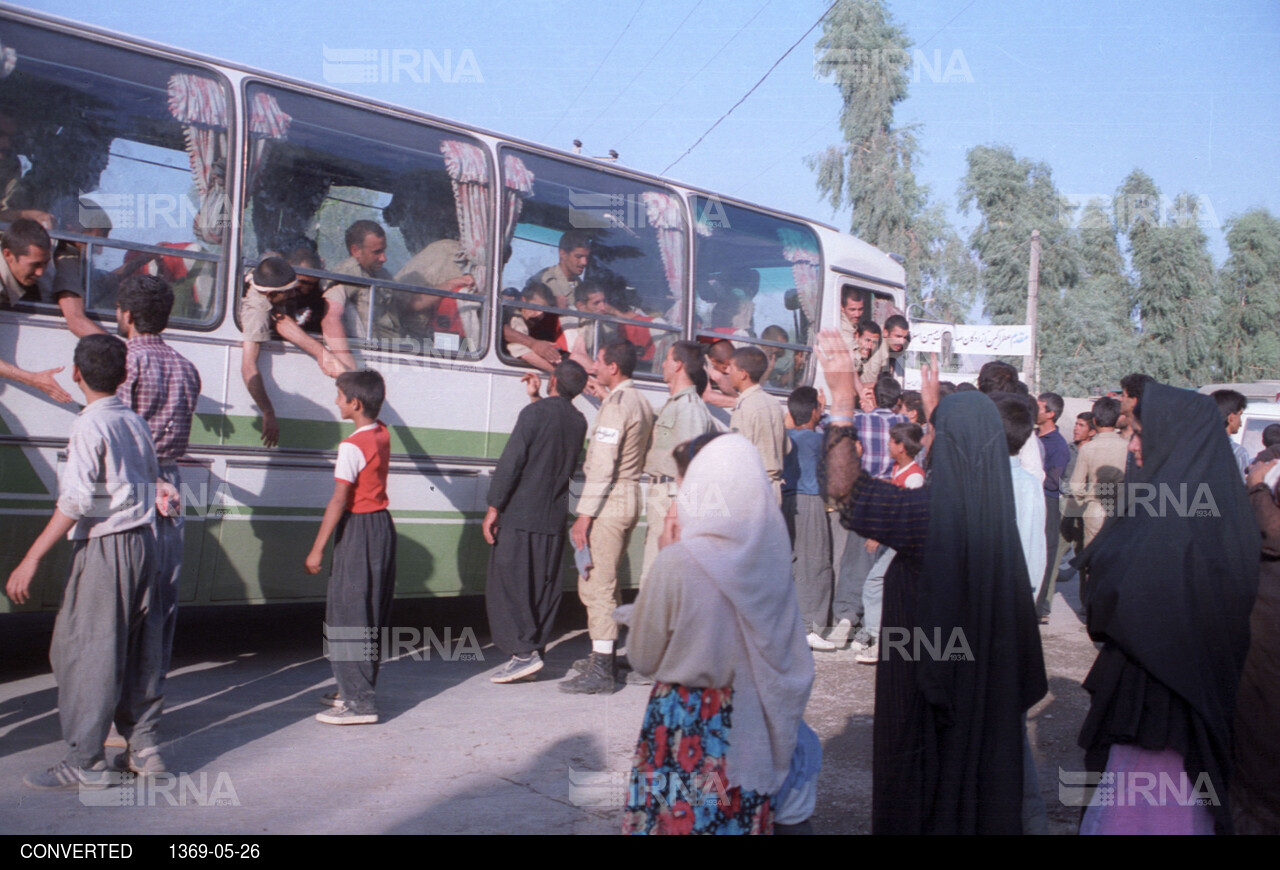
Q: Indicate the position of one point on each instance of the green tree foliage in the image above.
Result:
(1013, 197)
(868, 58)
(1249, 291)
(1087, 336)
(1175, 288)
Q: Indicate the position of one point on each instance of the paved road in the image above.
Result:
(453, 753)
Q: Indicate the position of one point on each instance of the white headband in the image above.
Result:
(254, 285)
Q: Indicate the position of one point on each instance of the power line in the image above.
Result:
(593, 75)
(619, 94)
(689, 150)
(698, 73)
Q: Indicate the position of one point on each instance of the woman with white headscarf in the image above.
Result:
(717, 627)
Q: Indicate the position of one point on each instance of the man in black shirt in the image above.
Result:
(528, 505)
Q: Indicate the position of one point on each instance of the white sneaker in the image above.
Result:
(839, 636)
(818, 644)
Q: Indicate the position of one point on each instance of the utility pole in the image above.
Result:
(1033, 293)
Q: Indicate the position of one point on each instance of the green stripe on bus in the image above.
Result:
(16, 472)
(327, 434)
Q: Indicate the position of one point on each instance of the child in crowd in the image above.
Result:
(363, 578)
(107, 641)
(905, 442)
(806, 517)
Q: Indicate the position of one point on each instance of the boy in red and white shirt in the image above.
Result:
(363, 578)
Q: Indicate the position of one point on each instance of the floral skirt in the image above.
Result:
(678, 783)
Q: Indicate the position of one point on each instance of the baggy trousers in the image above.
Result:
(522, 594)
(361, 588)
(107, 645)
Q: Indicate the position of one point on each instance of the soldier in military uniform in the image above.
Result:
(609, 507)
(756, 415)
(563, 277)
(685, 416)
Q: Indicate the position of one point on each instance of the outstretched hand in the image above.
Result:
(837, 366)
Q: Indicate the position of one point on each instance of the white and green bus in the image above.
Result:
(202, 167)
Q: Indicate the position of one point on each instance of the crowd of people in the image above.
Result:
(927, 529)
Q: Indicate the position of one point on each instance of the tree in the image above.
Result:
(1087, 334)
(868, 57)
(1174, 292)
(1013, 197)
(1249, 293)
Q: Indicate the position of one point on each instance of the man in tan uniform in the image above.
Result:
(347, 315)
(1100, 468)
(683, 417)
(609, 507)
(757, 416)
(563, 277)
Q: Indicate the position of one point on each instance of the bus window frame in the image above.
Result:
(97, 315)
(745, 340)
(484, 297)
(639, 179)
(184, 63)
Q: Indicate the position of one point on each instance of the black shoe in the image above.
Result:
(599, 678)
(620, 662)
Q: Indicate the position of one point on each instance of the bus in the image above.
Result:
(151, 158)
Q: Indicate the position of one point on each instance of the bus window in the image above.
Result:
(401, 207)
(610, 249)
(757, 280)
(125, 156)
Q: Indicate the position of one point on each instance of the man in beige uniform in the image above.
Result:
(757, 416)
(609, 507)
(347, 314)
(683, 417)
(1100, 467)
(563, 277)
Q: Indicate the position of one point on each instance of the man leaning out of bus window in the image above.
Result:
(267, 303)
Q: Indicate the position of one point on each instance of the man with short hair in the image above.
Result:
(528, 504)
(26, 249)
(897, 335)
(1231, 405)
(564, 276)
(609, 507)
(685, 416)
(347, 315)
(852, 314)
(1100, 467)
(720, 392)
(24, 253)
(756, 414)
(163, 388)
(868, 342)
(1056, 457)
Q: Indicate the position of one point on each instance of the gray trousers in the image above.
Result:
(854, 565)
(106, 651)
(806, 517)
(361, 587)
(1053, 537)
(169, 547)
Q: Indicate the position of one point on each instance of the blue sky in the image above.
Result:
(1188, 91)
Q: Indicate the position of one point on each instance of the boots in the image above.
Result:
(599, 677)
